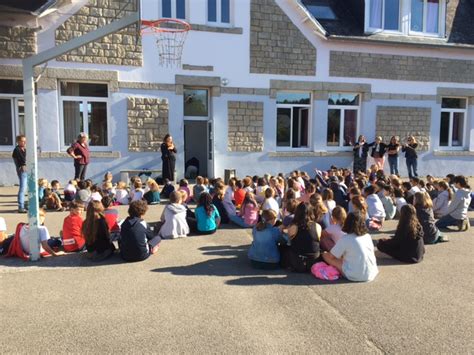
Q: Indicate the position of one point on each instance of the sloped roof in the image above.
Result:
(349, 24)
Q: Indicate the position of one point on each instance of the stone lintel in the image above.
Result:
(457, 92)
(198, 67)
(195, 80)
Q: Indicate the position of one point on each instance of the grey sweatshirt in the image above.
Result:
(458, 207)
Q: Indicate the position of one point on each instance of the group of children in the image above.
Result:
(296, 222)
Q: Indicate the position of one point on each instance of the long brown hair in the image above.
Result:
(318, 209)
(444, 185)
(360, 205)
(267, 216)
(423, 200)
(408, 225)
(90, 226)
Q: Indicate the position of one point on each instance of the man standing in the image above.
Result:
(19, 157)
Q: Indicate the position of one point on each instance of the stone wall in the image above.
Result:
(121, 48)
(147, 123)
(277, 46)
(403, 122)
(397, 67)
(17, 42)
(245, 130)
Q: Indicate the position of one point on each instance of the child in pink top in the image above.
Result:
(248, 215)
(333, 232)
(183, 186)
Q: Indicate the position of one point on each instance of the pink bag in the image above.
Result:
(324, 271)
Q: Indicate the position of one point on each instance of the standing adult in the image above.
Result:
(19, 157)
(392, 151)
(411, 156)
(168, 157)
(80, 152)
(360, 155)
(378, 152)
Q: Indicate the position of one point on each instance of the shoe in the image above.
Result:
(443, 239)
(22, 210)
(464, 225)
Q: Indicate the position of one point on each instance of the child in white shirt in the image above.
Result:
(270, 203)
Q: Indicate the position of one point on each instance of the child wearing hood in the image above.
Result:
(456, 214)
(174, 219)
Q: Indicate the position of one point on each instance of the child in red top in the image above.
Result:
(239, 193)
(110, 214)
(73, 240)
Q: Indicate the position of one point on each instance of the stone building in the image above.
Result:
(264, 86)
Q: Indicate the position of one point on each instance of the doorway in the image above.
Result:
(196, 147)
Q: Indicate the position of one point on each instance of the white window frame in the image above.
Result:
(174, 5)
(218, 21)
(343, 108)
(451, 112)
(310, 123)
(369, 29)
(84, 100)
(441, 21)
(14, 98)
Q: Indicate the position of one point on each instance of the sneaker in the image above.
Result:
(22, 210)
(443, 239)
(464, 225)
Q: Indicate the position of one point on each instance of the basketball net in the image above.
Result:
(170, 35)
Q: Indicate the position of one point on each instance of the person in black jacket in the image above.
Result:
(168, 157)
(96, 232)
(360, 150)
(378, 152)
(407, 245)
(19, 157)
(137, 242)
(411, 157)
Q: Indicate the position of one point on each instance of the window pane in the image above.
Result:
(376, 13)
(166, 8)
(304, 127)
(458, 129)
(212, 10)
(225, 11)
(432, 16)
(195, 102)
(444, 130)
(350, 127)
(6, 122)
(450, 102)
(84, 89)
(11, 86)
(97, 122)
(293, 98)
(334, 126)
(21, 116)
(392, 14)
(181, 9)
(343, 99)
(283, 127)
(416, 15)
(73, 114)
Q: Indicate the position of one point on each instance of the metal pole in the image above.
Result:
(31, 160)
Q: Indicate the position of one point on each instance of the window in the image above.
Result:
(196, 102)
(319, 10)
(425, 16)
(173, 9)
(12, 111)
(218, 11)
(385, 15)
(343, 118)
(293, 120)
(453, 115)
(85, 109)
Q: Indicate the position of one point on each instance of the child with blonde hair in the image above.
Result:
(152, 196)
(331, 235)
(137, 193)
(121, 193)
(174, 218)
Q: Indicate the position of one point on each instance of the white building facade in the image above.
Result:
(266, 86)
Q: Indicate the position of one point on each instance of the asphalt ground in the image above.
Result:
(200, 295)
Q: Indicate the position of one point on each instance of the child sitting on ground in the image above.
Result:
(174, 219)
(55, 186)
(289, 212)
(96, 232)
(42, 185)
(152, 196)
(184, 186)
(121, 193)
(137, 193)
(399, 199)
(374, 208)
(407, 245)
(83, 194)
(207, 217)
(137, 242)
(424, 212)
(248, 215)
(73, 239)
(239, 193)
(270, 203)
(199, 188)
(70, 191)
(442, 201)
(387, 201)
(111, 215)
(331, 235)
(51, 201)
(263, 252)
(353, 255)
(328, 199)
(167, 189)
(218, 201)
(457, 210)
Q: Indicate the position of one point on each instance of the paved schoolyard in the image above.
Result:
(199, 295)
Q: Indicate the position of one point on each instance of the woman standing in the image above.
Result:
(80, 152)
(168, 151)
(392, 152)
(378, 152)
(360, 155)
(411, 157)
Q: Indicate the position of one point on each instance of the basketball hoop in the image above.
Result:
(170, 36)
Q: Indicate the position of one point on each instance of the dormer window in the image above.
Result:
(385, 15)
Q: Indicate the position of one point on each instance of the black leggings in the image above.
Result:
(80, 171)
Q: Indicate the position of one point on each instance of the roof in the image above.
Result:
(349, 24)
(34, 7)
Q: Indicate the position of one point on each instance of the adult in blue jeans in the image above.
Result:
(392, 152)
(411, 156)
(19, 157)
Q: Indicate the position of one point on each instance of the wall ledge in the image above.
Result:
(310, 154)
(53, 155)
(453, 153)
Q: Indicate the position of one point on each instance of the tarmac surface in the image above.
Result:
(200, 295)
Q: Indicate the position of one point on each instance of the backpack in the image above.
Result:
(15, 248)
